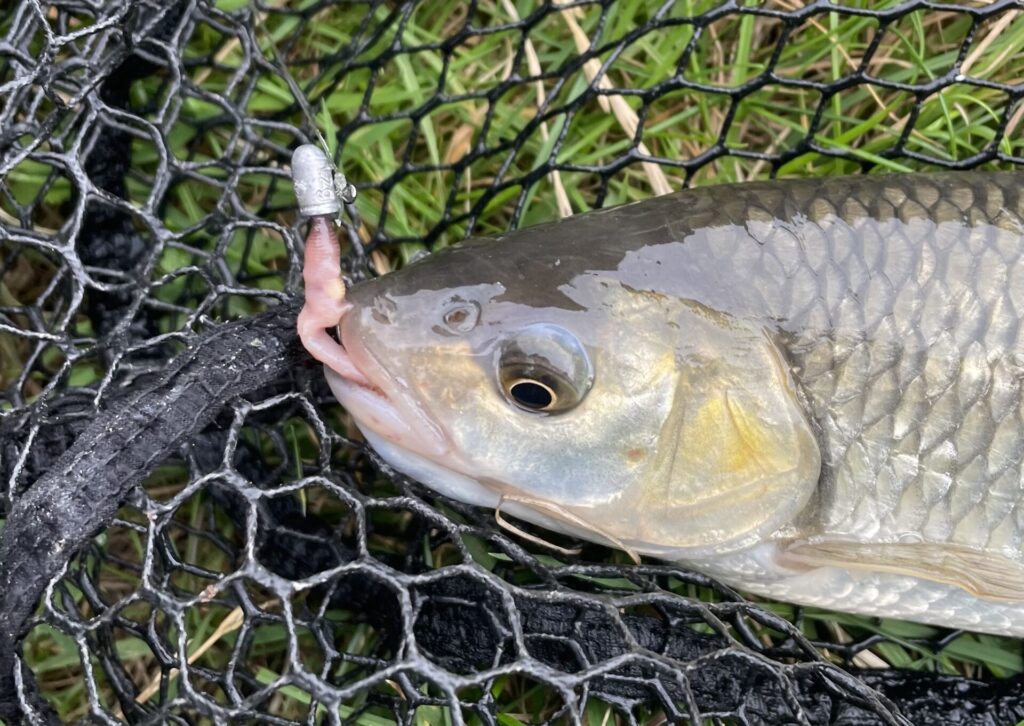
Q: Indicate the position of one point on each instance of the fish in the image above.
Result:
(808, 389)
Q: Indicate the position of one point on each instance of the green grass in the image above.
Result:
(864, 121)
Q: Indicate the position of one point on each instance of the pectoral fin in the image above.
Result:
(984, 574)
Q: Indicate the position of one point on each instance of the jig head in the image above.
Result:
(319, 188)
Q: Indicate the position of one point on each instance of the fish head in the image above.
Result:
(578, 402)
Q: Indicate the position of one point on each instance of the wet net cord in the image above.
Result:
(74, 455)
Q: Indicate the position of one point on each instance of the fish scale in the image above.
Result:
(867, 377)
(892, 304)
(914, 381)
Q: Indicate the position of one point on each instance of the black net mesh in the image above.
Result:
(194, 534)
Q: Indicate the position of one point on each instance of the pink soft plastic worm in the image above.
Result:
(325, 304)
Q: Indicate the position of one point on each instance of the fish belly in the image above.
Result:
(880, 594)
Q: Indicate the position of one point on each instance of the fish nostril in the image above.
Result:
(383, 310)
(463, 316)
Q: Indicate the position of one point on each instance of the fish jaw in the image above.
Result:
(432, 473)
(379, 402)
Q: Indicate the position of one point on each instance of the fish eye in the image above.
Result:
(544, 369)
(462, 315)
(532, 395)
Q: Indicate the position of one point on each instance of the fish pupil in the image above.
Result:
(532, 395)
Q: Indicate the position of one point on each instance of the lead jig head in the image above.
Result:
(318, 188)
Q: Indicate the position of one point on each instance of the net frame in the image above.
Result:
(68, 117)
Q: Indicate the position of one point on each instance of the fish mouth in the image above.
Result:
(382, 404)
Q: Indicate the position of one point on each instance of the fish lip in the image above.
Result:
(385, 406)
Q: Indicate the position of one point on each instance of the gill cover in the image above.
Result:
(735, 458)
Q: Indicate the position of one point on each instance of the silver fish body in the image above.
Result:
(810, 389)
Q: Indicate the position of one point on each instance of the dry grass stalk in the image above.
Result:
(617, 105)
(533, 64)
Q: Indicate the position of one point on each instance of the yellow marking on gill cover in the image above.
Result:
(724, 438)
(747, 447)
